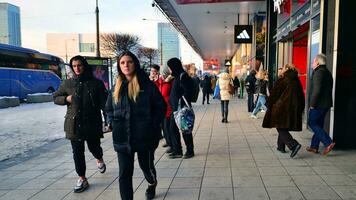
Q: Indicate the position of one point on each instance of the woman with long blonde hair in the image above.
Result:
(135, 110)
(262, 93)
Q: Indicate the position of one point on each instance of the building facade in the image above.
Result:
(300, 29)
(10, 26)
(67, 45)
(168, 43)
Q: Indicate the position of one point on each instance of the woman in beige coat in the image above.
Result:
(224, 81)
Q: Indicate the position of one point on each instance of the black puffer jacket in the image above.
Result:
(136, 125)
(250, 83)
(83, 118)
(182, 84)
(261, 87)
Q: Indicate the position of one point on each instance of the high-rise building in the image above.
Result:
(168, 43)
(10, 27)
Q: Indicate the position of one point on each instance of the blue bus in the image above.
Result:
(26, 71)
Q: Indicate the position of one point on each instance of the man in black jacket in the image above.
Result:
(320, 102)
(181, 87)
(85, 97)
(250, 84)
(206, 87)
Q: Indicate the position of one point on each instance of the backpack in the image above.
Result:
(195, 88)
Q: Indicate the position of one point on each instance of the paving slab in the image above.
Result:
(237, 160)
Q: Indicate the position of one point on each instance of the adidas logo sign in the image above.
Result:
(243, 35)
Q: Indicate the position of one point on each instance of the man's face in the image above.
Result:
(78, 67)
(315, 63)
(153, 72)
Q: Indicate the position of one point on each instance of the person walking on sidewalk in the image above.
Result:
(320, 102)
(236, 85)
(206, 87)
(225, 82)
(181, 87)
(135, 110)
(84, 97)
(261, 91)
(164, 85)
(250, 85)
(285, 107)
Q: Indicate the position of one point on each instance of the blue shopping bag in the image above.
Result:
(216, 94)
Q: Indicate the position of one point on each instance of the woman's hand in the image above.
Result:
(69, 99)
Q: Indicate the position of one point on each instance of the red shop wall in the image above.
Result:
(300, 51)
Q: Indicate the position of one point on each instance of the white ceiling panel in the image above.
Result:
(211, 25)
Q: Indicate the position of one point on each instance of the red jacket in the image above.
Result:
(165, 86)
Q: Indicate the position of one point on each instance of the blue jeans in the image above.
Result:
(316, 123)
(261, 101)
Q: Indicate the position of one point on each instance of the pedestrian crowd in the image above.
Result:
(142, 109)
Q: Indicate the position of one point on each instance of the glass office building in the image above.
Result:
(10, 27)
(168, 43)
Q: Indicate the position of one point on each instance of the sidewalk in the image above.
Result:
(237, 161)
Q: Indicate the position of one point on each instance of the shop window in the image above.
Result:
(86, 47)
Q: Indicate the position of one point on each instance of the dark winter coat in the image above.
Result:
(136, 125)
(250, 84)
(206, 84)
(261, 87)
(321, 88)
(236, 82)
(182, 84)
(285, 103)
(83, 118)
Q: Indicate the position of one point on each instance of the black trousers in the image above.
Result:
(250, 104)
(205, 95)
(126, 169)
(78, 153)
(224, 108)
(175, 139)
(166, 130)
(285, 138)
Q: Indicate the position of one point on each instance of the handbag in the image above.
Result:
(216, 94)
(231, 89)
(184, 118)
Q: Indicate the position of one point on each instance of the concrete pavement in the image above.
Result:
(237, 161)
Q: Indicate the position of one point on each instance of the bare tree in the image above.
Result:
(147, 53)
(115, 43)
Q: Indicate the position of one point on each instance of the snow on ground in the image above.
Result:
(29, 126)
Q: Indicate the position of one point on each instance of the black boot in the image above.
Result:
(151, 191)
(188, 154)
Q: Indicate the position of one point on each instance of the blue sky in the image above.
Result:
(39, 17)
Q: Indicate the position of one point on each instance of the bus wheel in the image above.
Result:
(50, 90)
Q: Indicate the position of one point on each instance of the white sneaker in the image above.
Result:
(263, 111)
(81, 185)
(253, 116)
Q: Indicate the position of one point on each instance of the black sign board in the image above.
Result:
(315, 6)
(243, 34)
(301, 16)
(227, 62)
(283, 30)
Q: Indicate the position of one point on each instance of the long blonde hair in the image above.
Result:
(133, 84)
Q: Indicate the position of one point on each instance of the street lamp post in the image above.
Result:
(161, 48)
(97, 30)
(65, 44)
